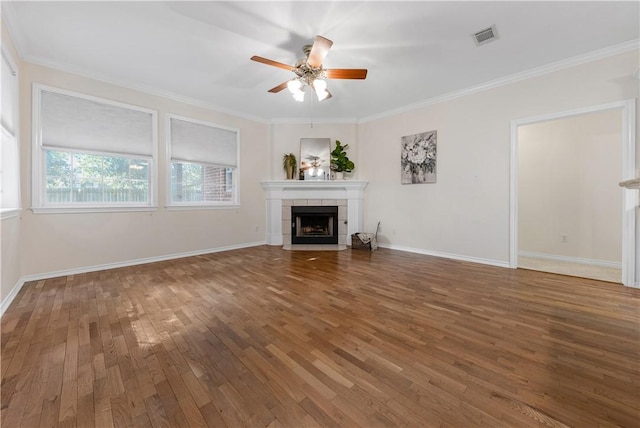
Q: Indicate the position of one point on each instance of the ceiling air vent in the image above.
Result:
(485, 36)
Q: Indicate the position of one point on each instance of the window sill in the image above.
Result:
(77, 210)
(201, 207)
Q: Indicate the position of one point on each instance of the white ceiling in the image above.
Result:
(415, 51)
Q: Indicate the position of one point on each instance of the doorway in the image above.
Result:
(568, 214)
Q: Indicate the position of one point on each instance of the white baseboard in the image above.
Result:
(490, 262)
(591, 262)
(40, 276)
(12, 295)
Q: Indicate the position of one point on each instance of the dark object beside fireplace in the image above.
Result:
(314, 225)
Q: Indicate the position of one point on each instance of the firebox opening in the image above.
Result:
(314, 225)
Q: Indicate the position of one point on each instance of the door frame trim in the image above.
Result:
(630, 196)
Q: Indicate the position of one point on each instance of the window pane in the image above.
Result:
(58, 164)
(59, 172)
(87, 166)
(116, 168)
(95, 179)
(139, 190)
(200, 183)
(139, 170)
(87, 190)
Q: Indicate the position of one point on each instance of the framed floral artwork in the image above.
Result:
(418, 158)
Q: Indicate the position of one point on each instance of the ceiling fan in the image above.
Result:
(309, 71)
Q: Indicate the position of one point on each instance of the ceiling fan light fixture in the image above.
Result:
(320, 86)
(322, 96)
(299, 96)
(310, 72)
(294, 85)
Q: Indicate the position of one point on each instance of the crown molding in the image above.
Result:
(335, 120)
(150, 90)
(534, 72)
(8, 16)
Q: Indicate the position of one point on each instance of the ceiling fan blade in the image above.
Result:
(346, 73)
(319, 51)
(272, 62)
(279, 87)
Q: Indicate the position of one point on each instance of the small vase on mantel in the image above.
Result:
(338, 175)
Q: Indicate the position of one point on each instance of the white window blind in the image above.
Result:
(79, 123)
(9, 150)
(9, 95)
(200, 143)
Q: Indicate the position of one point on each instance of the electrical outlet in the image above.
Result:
(564, 238)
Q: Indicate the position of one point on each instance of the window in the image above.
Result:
(204, 163)
(91, 153)
(9, 149)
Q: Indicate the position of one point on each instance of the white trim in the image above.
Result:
(471, 259)
(207, 206)
(91, 209)
(11, 296)
(630, 239)
(335, 120)
(9, 213)
(568, 259)
(534, 72)
(630, 264)
(38, 277)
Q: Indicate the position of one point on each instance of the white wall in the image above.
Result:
(286, 137)
(61, 242)
(466, 213)
(568, 176)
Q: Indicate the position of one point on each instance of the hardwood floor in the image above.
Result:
(273, 338)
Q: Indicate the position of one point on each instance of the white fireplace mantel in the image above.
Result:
(278, 190)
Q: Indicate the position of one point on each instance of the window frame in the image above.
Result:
(235, 174)
(39, 199)
(14, 138)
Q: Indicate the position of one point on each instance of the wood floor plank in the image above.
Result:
(272, 338)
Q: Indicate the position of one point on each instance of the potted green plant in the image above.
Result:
(290, 165)
(340, 162)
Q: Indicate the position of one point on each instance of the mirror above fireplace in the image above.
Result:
(315, 161)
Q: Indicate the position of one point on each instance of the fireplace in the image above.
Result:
(281, 195)
(314, 225)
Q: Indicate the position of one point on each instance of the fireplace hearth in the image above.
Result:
(314, 225)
